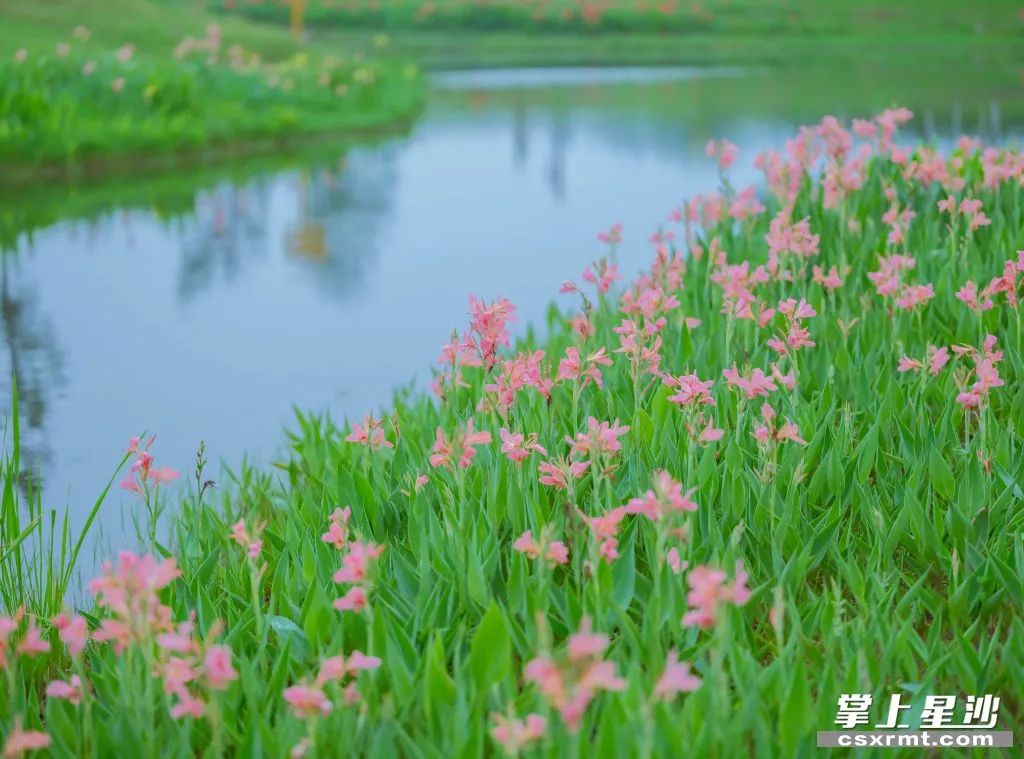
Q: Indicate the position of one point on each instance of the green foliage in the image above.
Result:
(55, 110)
(799, 17)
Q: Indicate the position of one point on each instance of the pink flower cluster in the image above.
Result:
(723, 151)
(518, 446)
(984, 375)
(770, 432)
(796, 336)
(251, 542)
(570, 684)
(309, 700)
(554, 552)
(709, 592)
(575, 367)
(664, 499)
(935, 360)
(143, 475)
(355, 571)
(464, 442)
(888, 281)
(370, 433)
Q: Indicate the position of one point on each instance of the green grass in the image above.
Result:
(509, 33)
(832, 17)
(71, 103)
(885, 554)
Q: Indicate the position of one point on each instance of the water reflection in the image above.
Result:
(329, 285)
(33, 358)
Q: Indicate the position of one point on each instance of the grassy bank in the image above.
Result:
(110, 96)
(726, 17)
(781, 465)
(461, 34)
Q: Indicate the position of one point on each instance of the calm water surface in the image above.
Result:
(328, 288)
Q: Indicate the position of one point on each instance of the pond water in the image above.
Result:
(326, 287)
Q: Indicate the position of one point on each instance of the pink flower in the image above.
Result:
(73, 632)
(21, 741)
(554, 551)
(218, 668)
(559, 473)
(613, 236)
(968, 294)
(937, 358)
(33, 642)
(307, 701)
(691, 390)
(488, 328)
(239, 533)
(125, 53)
(356, 563)
(359, 662)
(515, 735)
(369, 433)
(907, 364)
(601, 438)
(69, 691)
(830, 281)
(353, 600)
(337, 533)
(570, 686)
(142, 473)
(585, 644)
(604, 530)
(676, 678)
(757, 384)
(444, 452)
(518, 447)
(710, 434)
(602, 274)
(573, 367)
(527, 545)
(252, 544)
(675, 563)
(723, 151)
(709, 591)
(188, 706)
(769, 431)
(666, 498)
(117, 84)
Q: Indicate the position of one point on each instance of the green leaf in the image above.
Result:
(287, 630)
(941, 475)
(794, 710)
(489, 652)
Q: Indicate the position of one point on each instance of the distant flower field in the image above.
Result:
(634, 16)
(680, 518)
(73, 103)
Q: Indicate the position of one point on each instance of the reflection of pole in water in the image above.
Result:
(929, 125)
(520, 135)
(560, 132)
(308, 238)
(958, 119)
(993, 117)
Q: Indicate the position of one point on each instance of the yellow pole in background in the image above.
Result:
(298, 8)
